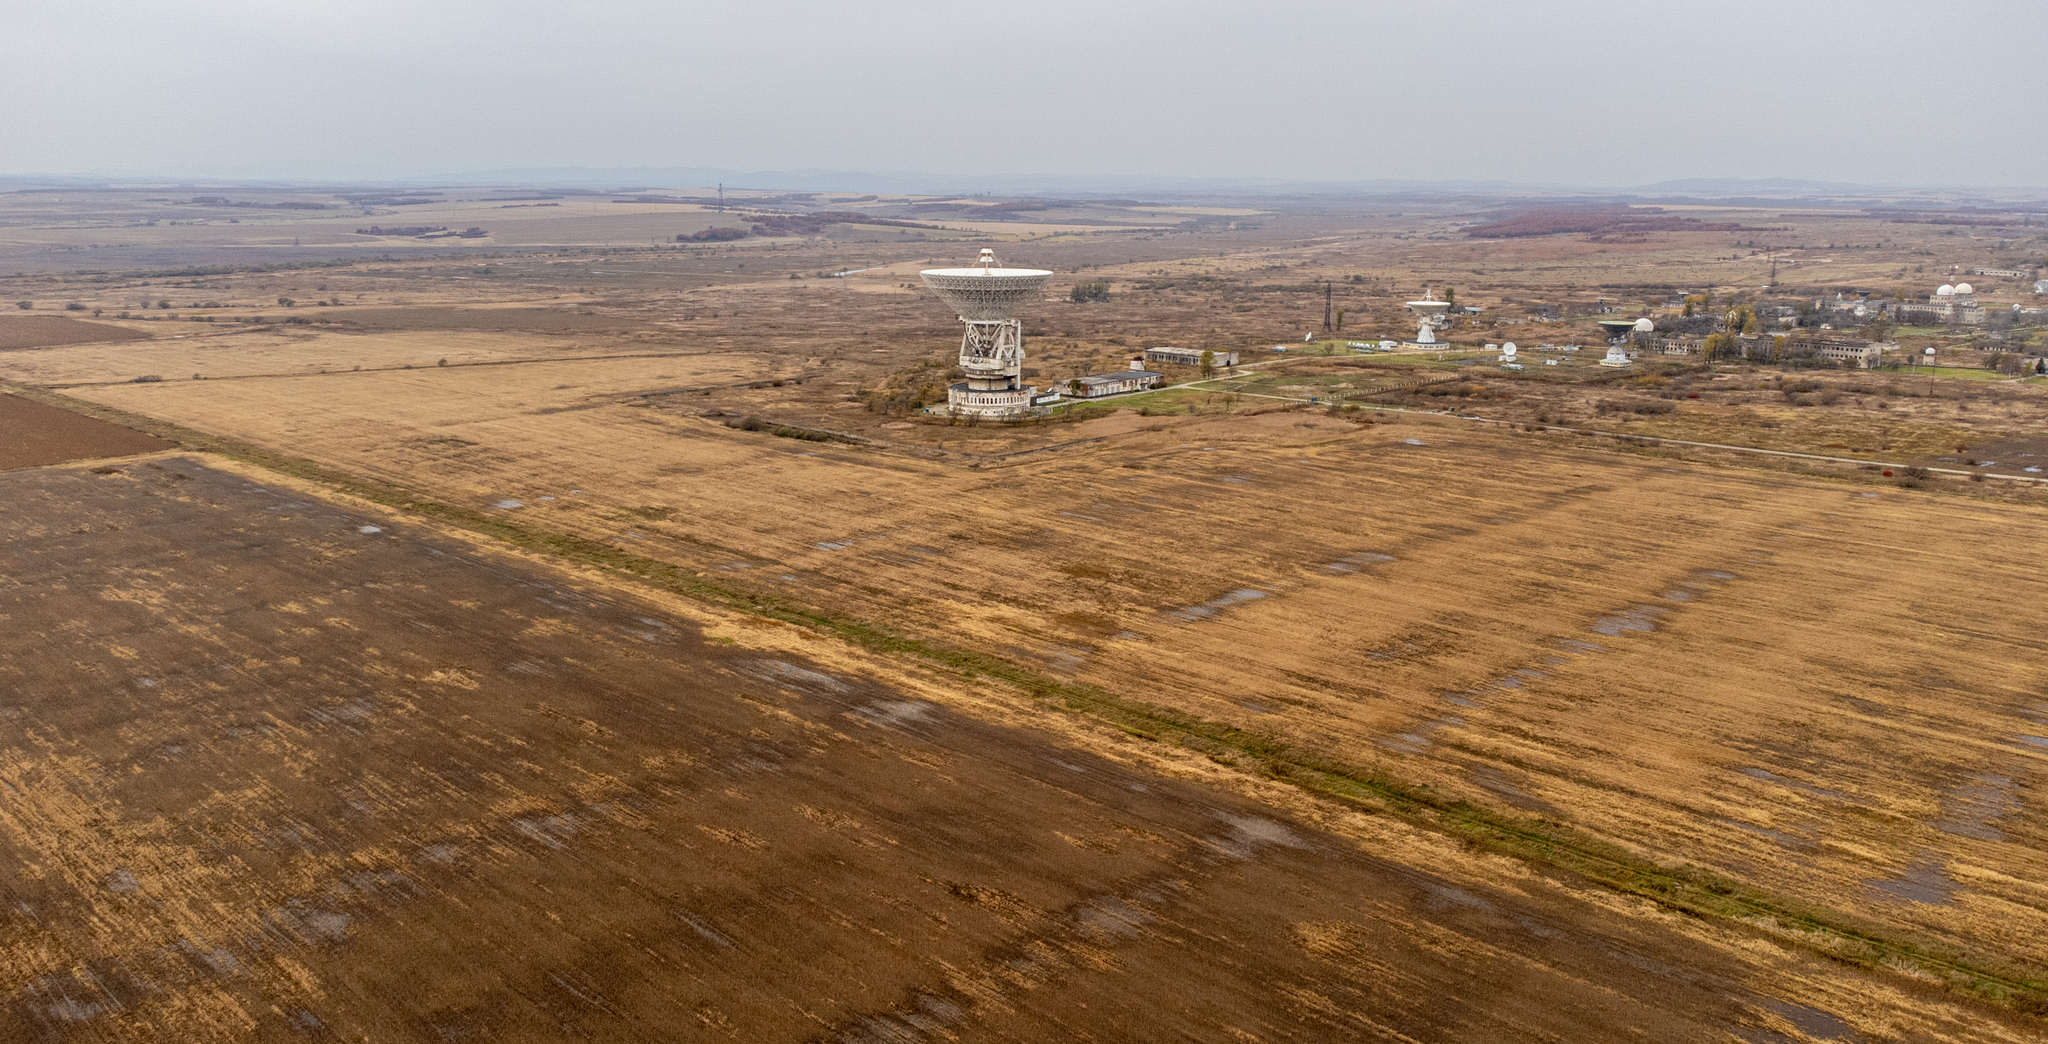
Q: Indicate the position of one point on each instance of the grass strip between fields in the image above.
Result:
(1691, 890)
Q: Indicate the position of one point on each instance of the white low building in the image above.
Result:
(1953, 304)
(1122, 382)
(1190, 356)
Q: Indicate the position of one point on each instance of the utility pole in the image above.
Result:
(1326, 306)
(721, 195)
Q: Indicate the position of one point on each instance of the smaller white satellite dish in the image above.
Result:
(1644, 325)
(1508, 349)
(1930, 353)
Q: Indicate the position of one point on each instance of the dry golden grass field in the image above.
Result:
(469, 671)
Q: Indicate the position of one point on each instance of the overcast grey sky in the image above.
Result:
(1592, 92)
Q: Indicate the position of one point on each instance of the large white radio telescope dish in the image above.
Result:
(985, 293)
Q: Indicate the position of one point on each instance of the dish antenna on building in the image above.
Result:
(1507, 351)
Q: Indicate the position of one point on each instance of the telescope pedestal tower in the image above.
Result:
(992, 353)
(1430, 315)
(991, 339)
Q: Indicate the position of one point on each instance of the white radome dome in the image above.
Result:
(1945, 290)
(1965, 288)
(1508, 348)
(1645, 326)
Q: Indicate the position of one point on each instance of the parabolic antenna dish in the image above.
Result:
(1508, 350)
(1618, 327)
(986, 293)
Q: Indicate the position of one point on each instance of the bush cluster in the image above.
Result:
(1646, 407)
(1092, 292)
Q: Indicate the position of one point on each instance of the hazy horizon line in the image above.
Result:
(820, 179)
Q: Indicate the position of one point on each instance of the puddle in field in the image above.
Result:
(786, 673)
(1923, 882)
(1495, 781)
(703, 929)
(1250, 833)
(219, 960)
(508, 505)
(1355, 563)
(439, 853)
(1768, 776)
(348, 715)
(1970, 807)
(893, 713)
(306, 925)
(1216, 605)
(369, 530)
(1108, 915)
(1784, 839)
(1068, 657)
(1412, 741)
(1639, 618)
(1810, 1022)
(2036, 741)
(833, 545)
(552, 831)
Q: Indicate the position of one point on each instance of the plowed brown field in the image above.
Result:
(315, 771)
(43, 331)
(32, 434)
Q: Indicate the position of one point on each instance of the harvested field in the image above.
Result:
(32, 434)
(319, 771)
(526, 320)
(1510, 618)
(1771, 726)
(43, 331)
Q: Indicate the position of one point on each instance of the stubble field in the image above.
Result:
(1820, 691)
